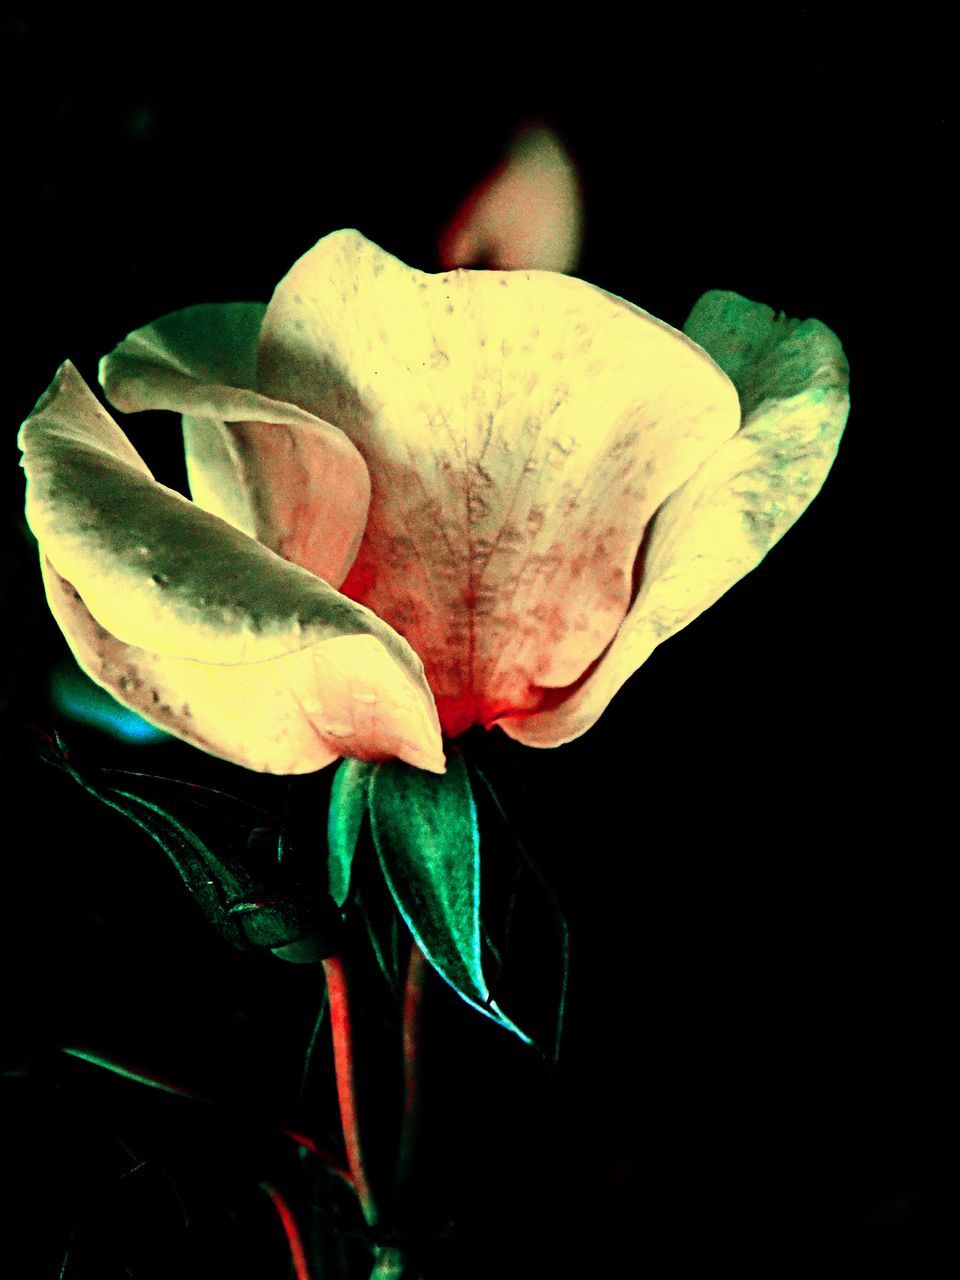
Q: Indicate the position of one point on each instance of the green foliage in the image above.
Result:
(425, 832)
(243, 880)
(348, 803)
(525, 871)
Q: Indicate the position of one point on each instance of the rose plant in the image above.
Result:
(419, 503)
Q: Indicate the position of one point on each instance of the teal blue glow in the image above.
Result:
(76, 696)
(428, 843)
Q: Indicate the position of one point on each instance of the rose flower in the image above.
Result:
(420, 502)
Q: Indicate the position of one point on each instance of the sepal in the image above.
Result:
(427, 840)
(348, 804)
(254, 888)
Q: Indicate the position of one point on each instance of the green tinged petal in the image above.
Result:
(765, 355)
(791, 377)
(267, 467)
(200, 361)
(197, 627)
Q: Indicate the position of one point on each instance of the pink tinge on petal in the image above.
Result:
(527, 214)
(520, 429)
(308, 491)
(500, 616)
(280, 475)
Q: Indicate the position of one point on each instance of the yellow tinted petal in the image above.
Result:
(792, 378)
(157, 597)
(520, 429)
(292, 714)
(277, 473)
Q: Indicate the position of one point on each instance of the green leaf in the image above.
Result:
(387, 963)
(348, 802)
(252, 905)
(212, 881)
(560, 920)
(426, 836)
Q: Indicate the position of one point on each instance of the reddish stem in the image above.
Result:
(412, 1067)
(344, 1065)
(141, 1076)
(298, 1254)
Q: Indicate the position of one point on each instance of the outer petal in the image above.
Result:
(200, 629)
(526, 214)
(279, 474)
(792, 379)
(520, 430)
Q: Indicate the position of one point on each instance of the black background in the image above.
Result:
(761, 1052)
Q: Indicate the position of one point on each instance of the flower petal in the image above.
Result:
(792, 378)
(527, 214)
(277, 473)
(200, 629)
(520, 429)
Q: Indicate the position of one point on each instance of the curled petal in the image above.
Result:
(792, 378)
(520, 429)
(527, 214)
(272, 470)
(203, 631)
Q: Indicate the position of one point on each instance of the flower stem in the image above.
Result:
(298, 1255)
(345, 1067)
(412, 1068)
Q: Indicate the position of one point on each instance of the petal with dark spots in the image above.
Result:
(791, 377)
(520, 430)
(199, 628)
